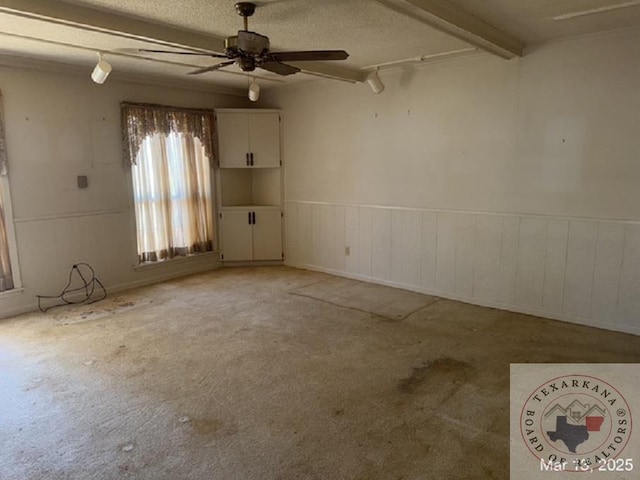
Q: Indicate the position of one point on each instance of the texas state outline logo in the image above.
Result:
(577, 423)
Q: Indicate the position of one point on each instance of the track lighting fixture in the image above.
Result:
(254, 90)
(374, 82)
(101, 71)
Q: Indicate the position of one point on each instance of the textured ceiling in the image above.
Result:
(533, 20)
(371, 32)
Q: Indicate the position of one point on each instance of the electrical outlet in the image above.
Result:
(347, 251)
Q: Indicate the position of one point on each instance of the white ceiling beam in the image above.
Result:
(92, 19)
(597, 10)
(451, 19)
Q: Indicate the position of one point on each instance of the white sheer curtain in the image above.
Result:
(173, 197)
(6, 277)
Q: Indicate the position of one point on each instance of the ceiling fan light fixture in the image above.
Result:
(101, 71)
(254, 91)
(373, 79)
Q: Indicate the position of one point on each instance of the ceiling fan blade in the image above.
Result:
(279, 68)
(214, 55)
(212, 68)
(308, 55)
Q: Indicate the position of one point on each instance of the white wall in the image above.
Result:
(60, 126)
(504, 183)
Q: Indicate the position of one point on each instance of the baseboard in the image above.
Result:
(263, 263)
(117, 288)
(19, 310)
(538, 312)
(161, 278)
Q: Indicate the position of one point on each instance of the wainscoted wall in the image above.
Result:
(59, 126)
(545, 145)
(575, 269)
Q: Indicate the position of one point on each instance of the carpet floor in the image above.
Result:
(272, 373)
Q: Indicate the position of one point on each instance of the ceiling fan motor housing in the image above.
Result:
(247, 47)
(252, 43)
(231, 47)
(250, 50)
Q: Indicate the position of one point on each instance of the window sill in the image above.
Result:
(14, 292)
(195, 258)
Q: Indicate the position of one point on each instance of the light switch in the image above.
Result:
(83, 181)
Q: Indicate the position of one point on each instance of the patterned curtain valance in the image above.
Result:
(142, 120)
(3, 142)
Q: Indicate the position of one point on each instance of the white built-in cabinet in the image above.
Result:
(249, 139)
(249, 185)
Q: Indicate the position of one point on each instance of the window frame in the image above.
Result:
(192, 258)
(12, 243)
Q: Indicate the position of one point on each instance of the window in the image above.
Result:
(171, 175)
(6, 276)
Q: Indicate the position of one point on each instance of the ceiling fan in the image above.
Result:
(250, 50)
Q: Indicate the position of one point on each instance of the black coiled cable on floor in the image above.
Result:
(89, 286)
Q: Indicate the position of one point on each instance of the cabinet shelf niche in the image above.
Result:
(243, 186)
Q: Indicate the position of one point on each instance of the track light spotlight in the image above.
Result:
(254, 91)
(374, 82)
(101, 71)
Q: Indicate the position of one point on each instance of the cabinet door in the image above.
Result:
(264, 139)
(267, 235)
(233, 139)
(236, 235)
